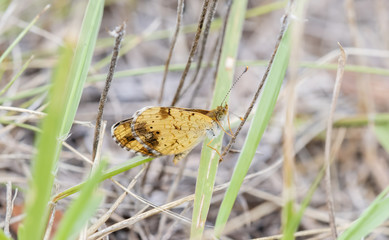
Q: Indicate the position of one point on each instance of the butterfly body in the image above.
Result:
(160, 131)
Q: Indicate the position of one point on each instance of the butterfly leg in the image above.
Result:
(209, 145)
(228, 120)
(229, 134)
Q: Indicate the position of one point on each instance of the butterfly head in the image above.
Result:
(219, 113)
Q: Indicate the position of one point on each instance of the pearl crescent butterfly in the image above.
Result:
(161, 131)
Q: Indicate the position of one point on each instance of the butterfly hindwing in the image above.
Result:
(122, 134)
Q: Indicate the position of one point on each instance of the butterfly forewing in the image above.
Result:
(170, 130)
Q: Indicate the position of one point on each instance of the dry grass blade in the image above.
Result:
(139, 217)
(114, 206)
(180, 10)
(10, 207)
(327, 151)
(170, 195)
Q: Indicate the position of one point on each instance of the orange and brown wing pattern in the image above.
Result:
(170, 130)
(122, 134)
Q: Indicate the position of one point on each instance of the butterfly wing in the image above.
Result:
(169, 130)
(122, 134)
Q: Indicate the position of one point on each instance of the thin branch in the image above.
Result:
(203, 45)
(218, 50)
(204, 74)
(192, 52)
(180, 10)
(118, 33)
(229, 4)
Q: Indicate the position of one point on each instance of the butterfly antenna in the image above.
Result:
(237, 79)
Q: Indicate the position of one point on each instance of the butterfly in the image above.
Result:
(161, 131)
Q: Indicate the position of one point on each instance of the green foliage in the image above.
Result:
(209, 158)
(375, 215)
(82, 208)
(63, 102)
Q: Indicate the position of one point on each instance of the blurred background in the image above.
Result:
(360, 160)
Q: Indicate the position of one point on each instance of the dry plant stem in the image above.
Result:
(77, 153)
(175, 223)
(327, 150)
(280, 35)
(180, 10)
(22, 119)
(288, 170)
(203, 44)
(150, 204)
(192, 52)
(13, 220)
(254, 214)
(6, 15)
(114, 206)
(218, 49)
(52, 209)
(305, 233)
(118, 34)
(203, 76)
(40, 114)
(170, 195)
(97, 158)
(223, 33)
(9, 210)
(139, 217)
(164, 208)
(366, 104)
(312, 213)
(50, 224)
(143, 180)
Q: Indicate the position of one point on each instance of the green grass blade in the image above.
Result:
(82, 59)
(21, 35)
(364, 120)
(3, 236)
(258, 125)
(127, 165)
(22, 125)
(374, 215)
(293, 223)
(15, 77)
(209, 158)
(25, 94)
(382, 133)
(48, 145)
(63, 102)
(82, 208)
